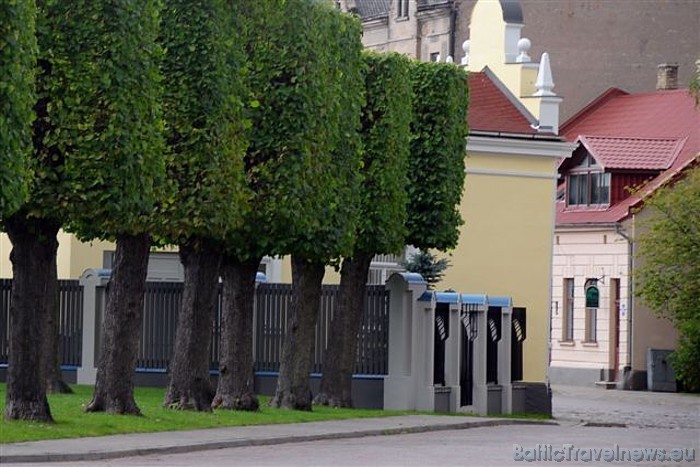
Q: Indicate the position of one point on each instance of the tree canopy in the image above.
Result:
(107, 112)
(436, 165)
(301, 87)
(18, 51)
(205, 132)
(386, 117)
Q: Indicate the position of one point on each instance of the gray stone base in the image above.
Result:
(68, 375)
(367, 392)
(634, 380)
(538, 397)
(577, 376)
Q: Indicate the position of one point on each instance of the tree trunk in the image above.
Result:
(235, 388)
(114, 388)
(33, 244)
(339, 359)
(190, 386)
(293, 391)
(51, 345)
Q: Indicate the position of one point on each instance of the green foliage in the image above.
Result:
(203, 85)
(686, 359)
(337, 210)
(17, 69)
(427, 265)
(302, 82)
(104, 112)
(668, 275)
(386, 118)
(436, 164)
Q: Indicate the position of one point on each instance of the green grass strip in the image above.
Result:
(71, 421)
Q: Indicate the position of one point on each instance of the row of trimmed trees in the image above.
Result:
(233, 130)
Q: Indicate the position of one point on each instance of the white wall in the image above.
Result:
(583, 254)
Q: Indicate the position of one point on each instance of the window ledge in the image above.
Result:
(587, 207)
(567, 343)
(589, 343)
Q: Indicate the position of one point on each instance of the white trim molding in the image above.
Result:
(498, 145)
(512, 173)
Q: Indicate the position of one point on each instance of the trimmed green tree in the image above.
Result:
(261, 27)
(206, 137)
(668, 272)
(386, 116)
(108, 125)
(29, 311)
(295, 111)
(317, 96)
(435, 184)
(436, 165)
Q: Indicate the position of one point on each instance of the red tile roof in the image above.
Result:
(633, 153)
(492, 109)
(634, 131)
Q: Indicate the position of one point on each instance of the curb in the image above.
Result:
(238, 443)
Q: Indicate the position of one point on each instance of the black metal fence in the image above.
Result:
(273, 302)
(70, 321)
(5, 289)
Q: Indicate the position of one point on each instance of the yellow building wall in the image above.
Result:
(330, 277)
(505, 246)
(72, 259)
(5, 265)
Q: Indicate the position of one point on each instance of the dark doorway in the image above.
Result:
(468, 319)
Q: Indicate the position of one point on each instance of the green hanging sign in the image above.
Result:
(592, 297)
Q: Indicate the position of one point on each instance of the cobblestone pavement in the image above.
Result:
(640, 409)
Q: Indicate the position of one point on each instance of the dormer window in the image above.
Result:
(587, 184)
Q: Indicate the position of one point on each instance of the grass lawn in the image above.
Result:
(73, 422)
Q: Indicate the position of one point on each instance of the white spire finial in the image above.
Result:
(544, 83)
(465, 48)
(524, 45)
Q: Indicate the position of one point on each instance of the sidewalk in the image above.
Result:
(174, 442)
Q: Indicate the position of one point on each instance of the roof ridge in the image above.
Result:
(509, 95)
(637, 138)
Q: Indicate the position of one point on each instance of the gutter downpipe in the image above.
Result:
(453, 33)
(627, 372)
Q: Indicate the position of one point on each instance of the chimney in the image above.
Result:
(667, 77)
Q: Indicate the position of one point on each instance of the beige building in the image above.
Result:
(601, 332)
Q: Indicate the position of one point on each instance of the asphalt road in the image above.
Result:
(479, 446)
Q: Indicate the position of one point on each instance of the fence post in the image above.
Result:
(504, 358)
(452, 354)
(94, 282)
(480, 391)
(260, 278)
(404, 385)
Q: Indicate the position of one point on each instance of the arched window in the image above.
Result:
(592, 305)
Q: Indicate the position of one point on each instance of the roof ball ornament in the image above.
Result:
(524, 45)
